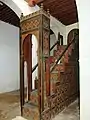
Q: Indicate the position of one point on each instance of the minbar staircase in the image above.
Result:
(63, 83)
(57, 83)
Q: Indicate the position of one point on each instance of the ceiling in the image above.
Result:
(8, 15)
(64, 10)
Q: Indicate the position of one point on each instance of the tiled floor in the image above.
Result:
(10, 108)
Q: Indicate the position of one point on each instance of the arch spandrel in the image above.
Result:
(36, 33)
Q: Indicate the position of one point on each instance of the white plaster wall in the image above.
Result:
(34, 58)
(70, 27)
(9, 57)
(83, 7)
(56, 26)
(52, 42)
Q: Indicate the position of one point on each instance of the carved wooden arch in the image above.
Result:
(23, 37)
(36, 33)
(26, 39)
(71, 34)
(27, 44)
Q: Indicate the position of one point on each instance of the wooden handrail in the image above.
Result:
(54, 45)
(73, 40)
(34, 68)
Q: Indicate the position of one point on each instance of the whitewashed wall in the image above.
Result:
(52, 42)
(83, 7)
(56, 26)
(9, 57)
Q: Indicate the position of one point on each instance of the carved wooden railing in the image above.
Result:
(72, 41)
(34, 68)
(50, 69)
(57, 42)
(47, 67)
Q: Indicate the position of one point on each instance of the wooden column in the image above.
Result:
(29, 66)
(44, 54)
(21, 75)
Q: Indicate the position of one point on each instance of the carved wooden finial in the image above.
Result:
(21, 15)
(48, 11)
(41, 5)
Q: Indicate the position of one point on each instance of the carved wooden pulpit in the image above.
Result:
(37, 23)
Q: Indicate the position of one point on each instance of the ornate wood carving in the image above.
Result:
(30, 24)
(46, 22)
(45, 43)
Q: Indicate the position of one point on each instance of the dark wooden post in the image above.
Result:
(44, 52)
(21, 73)
(58, 38)
(61, 38)
(29, 38)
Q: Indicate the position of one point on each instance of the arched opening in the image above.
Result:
(71, 34)
(30, 47)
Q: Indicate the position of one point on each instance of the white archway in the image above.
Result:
(83, 7)
(20, 6)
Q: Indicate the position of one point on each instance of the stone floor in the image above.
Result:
(10, 108)
(70, 113)
(9, 105)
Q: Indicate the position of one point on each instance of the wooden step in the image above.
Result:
(59, 67)
(61, 47)
(34, 97)
(51, 59)
(54, 77)
(31, 112)
(57, 53)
